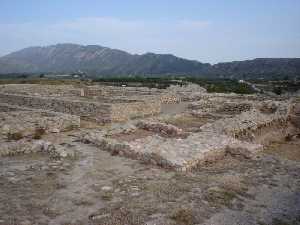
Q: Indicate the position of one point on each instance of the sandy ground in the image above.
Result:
(98, 188)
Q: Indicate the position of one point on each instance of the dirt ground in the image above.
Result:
(98, 188)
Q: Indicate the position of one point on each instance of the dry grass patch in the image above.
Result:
(107, 196)
(169, 192)
(233, 183)
(287, 150)
(15, 136)
(116, 216)
(85, 123)
(183, 216)
(219, 196)
(277, 221)
(227, 187)
(38, 133)
(71, 128)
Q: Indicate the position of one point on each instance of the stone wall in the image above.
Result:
(170, 99)
(255, 125)
(100, 112)
(234, 107)
(26, 122)
(8, 108)
(125, 111)
(189, 92)
(40, 90)
(92, 92)
(172, 153)
(131, 91)
(27, 146)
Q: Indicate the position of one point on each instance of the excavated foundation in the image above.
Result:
(239, 125)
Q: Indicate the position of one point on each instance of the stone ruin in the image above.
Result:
(242, 126)
(26, 108)
(103, 107)
(137, 126)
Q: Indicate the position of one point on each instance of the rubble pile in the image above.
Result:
(161, 128)
(189, 92)
(26, 122)
(28, 146)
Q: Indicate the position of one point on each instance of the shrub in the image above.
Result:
(277, 90)
(38, 133)
(183, 216)
(71, 127)
(14, 136)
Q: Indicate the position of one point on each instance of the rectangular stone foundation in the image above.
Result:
(176, 154)
(91, 110)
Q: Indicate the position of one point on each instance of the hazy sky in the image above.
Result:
(206, 30)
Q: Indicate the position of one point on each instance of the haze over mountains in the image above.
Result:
(96, 60)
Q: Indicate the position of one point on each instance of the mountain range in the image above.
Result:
(96, 60)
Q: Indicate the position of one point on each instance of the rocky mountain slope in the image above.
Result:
(98, 60)
(260, 67)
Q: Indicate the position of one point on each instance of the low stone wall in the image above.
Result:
(234, 107)
(130, 91)
(222, 106)
(168, 130)
(171, 153)
(93, 92)
(125, 111)
(26, 122)
(40, 90)
(170, 99)
(8, 108)
(255, 125)
(26, 146)
(100, 112)
(186, 93)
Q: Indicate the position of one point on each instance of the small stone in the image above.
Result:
(106, 188)
(63, 154)
(98, 217)
(5, 129)
(25, 222)
(55, 130)
(135, 194)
